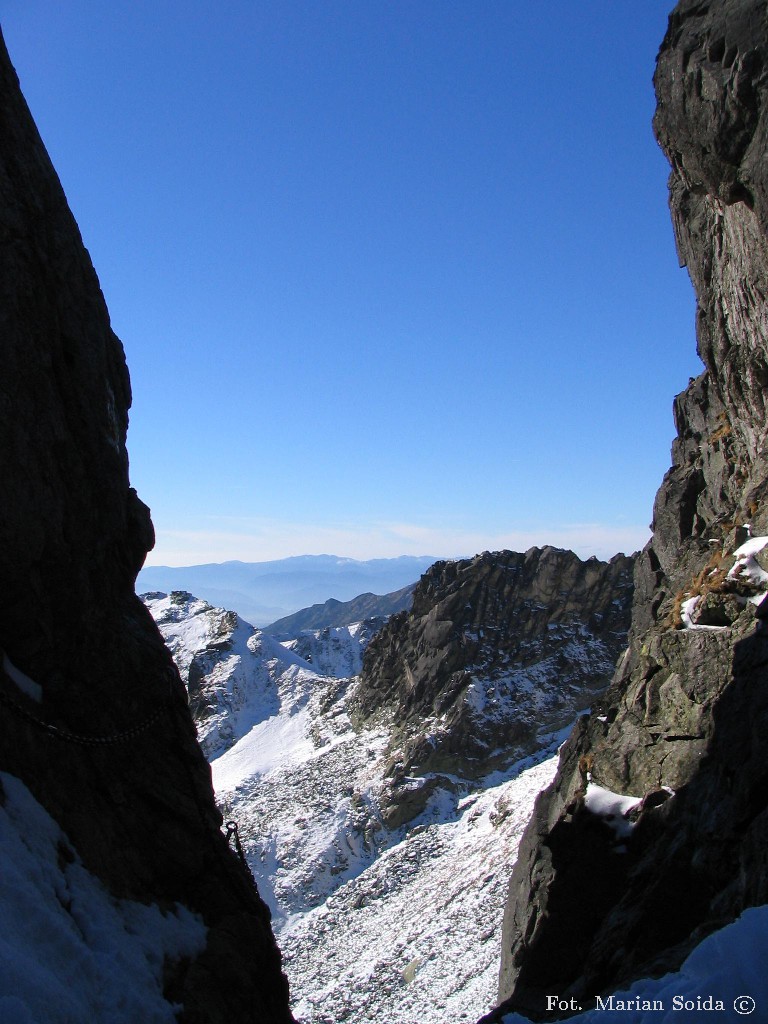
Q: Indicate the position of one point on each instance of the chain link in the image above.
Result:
(81, 738)
(232, 832)
(121, 737)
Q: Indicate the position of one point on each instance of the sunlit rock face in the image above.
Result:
(94, 717)
(684, 723)
(497, 653)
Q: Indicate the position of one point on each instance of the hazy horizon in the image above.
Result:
(390, 278)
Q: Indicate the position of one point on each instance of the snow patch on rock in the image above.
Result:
(612, 807)
(724, 978)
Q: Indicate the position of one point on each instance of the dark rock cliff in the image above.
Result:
(688, 707)
(497, 652)
(109, 749)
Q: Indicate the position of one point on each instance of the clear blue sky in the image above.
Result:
(392, 277)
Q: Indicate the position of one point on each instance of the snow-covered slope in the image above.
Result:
(70, 951)
(239, 677)
(376, 925)
(724, 979)
(415, 936)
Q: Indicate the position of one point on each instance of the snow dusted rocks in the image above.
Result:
(415, 936)
(688, 706)
(286, 762)
(238, 676)
(380, 920)
(93, 716)
(497, 652)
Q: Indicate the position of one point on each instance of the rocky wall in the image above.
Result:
(102, 734)
(684, 725)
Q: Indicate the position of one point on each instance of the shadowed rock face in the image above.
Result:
(137, 804)
(688, 708)
(497, 652)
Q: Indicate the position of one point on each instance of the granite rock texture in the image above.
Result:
(497, 653)
(109, 749)
(687, 711)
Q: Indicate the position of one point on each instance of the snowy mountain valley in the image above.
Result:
(386, 873)
(380, 778)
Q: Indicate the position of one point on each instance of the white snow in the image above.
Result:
(611, 807)
(724, 978)
(687, 609)
(248, 676)
(416, 936)
(746, 566)
(750, 547)
(375, 926)
(276, 743)
(70, 952)
(336, 651)
(302, 788)
(686, 614)
(745, 570)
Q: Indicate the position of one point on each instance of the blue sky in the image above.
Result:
(392, 277)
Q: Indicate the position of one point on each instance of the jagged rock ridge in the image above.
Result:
(496, 652)
(684, 723)
(94, 717)
(386, 888)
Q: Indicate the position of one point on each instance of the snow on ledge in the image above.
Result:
(746, 566)
(723, 979)
(686, 614)
(611, 807)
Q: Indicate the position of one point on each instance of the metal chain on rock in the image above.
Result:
(82, 738)
(232, 832)
(121, 737)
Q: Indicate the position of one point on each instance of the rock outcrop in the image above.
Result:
(497, 652)
(596, 902)
(93, 715)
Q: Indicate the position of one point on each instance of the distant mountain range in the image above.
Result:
(343, 613)
(262, 592)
